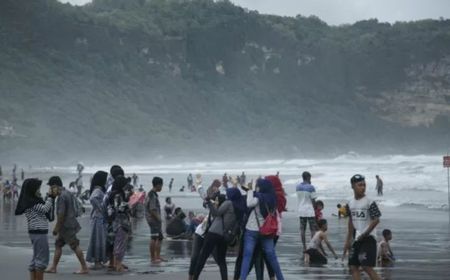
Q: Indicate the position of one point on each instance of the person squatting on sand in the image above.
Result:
(37, 212)
(66, 226)
(96, 252)
(364, 217)
(314, 254)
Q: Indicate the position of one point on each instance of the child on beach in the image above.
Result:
(364, 217)
(153, 217)
(315, 254)
(342, 211)
(318, 210)
(38, 212)
(385, 254)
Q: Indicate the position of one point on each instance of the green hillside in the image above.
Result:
(131, 79)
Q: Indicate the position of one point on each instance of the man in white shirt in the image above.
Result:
(306, 195)
(363, 219)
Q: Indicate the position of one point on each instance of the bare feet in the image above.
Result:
(82, 271)
(51, 270)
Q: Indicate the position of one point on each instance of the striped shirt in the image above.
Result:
(36, 219)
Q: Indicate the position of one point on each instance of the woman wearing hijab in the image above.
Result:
(260, 202)
(97, 243)
(38, 212)
(259, 256)
(224, 216)
(119, 213)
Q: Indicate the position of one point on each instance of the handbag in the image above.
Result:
(270, 226)
(232, 234)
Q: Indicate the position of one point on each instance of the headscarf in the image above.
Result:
(118, 188)
(27, 197)
(99, 180)
(239, 204)
(116, 171)
(279, 192)
(266, 196)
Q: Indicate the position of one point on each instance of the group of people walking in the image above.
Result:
(247, 216)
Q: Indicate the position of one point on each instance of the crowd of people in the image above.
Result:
(246, 215)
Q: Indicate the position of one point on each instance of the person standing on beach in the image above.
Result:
(135, 179)
(170, 185)
(38, 212)
(119, 212)
(306, 196)
(114, 172)
(190, 181)
(96, 252)
(385, 255)
(364, 217)
(153, 217)
(66, 226)
(22, 175)
(225, 215)
(261, 202)
(379, 186)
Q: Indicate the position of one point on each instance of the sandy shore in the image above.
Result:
(421, 244)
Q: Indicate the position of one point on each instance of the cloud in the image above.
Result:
(345, 11)
(349, 11)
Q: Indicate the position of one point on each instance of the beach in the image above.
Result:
(420, 242)
(413, 207)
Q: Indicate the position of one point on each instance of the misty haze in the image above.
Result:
(214, 88)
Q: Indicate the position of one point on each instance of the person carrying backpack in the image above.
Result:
(66, 226)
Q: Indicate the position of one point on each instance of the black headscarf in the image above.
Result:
(27, 197)
(99, 180)
(118, 188)
(116, 171)
(266, 196)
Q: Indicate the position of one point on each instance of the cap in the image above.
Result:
(55, 180)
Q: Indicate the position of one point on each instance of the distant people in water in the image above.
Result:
(379, 186)
(385, 255)
(22, 175)
(190, 181)
(342, 211)
(135, 179)
(182, 188)
(242, 179)
(315, 254)
(170, 184)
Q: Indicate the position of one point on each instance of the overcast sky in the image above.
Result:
(346, 11)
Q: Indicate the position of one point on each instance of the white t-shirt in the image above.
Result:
(362, 212)
(305, 194)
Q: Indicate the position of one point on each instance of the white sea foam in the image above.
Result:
(408, 180)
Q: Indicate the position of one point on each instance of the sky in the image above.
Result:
(335, 12)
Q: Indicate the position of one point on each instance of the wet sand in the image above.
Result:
(421, 244)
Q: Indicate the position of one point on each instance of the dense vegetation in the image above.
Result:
(136, 78)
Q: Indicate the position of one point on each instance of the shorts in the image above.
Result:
(312, 223)
(315, 257)
(363, 253)
(67, 236)
(41, 252)
(156, 231)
